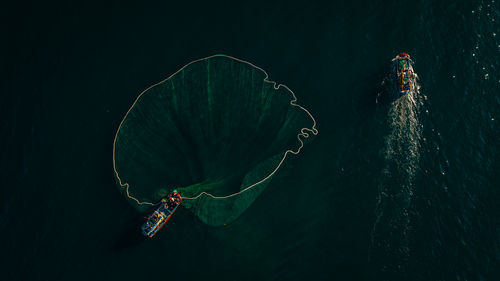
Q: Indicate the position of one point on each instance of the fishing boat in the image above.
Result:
(404, 73)
(162, 214)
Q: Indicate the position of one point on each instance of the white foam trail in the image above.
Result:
(402, 155)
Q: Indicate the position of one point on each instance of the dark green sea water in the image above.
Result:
(407, 190)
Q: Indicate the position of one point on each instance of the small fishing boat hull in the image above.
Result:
(161, 215)
(404, 74)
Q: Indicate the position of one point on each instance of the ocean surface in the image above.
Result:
(407, 189)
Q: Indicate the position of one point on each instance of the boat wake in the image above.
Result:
(401, 154)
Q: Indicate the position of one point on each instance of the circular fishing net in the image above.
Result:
(217, 130)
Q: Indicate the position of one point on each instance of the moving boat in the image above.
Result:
(160, 216)
(404, 73)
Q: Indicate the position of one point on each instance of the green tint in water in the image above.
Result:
(216, 130)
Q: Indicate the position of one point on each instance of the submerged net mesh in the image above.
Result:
(216, 131)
